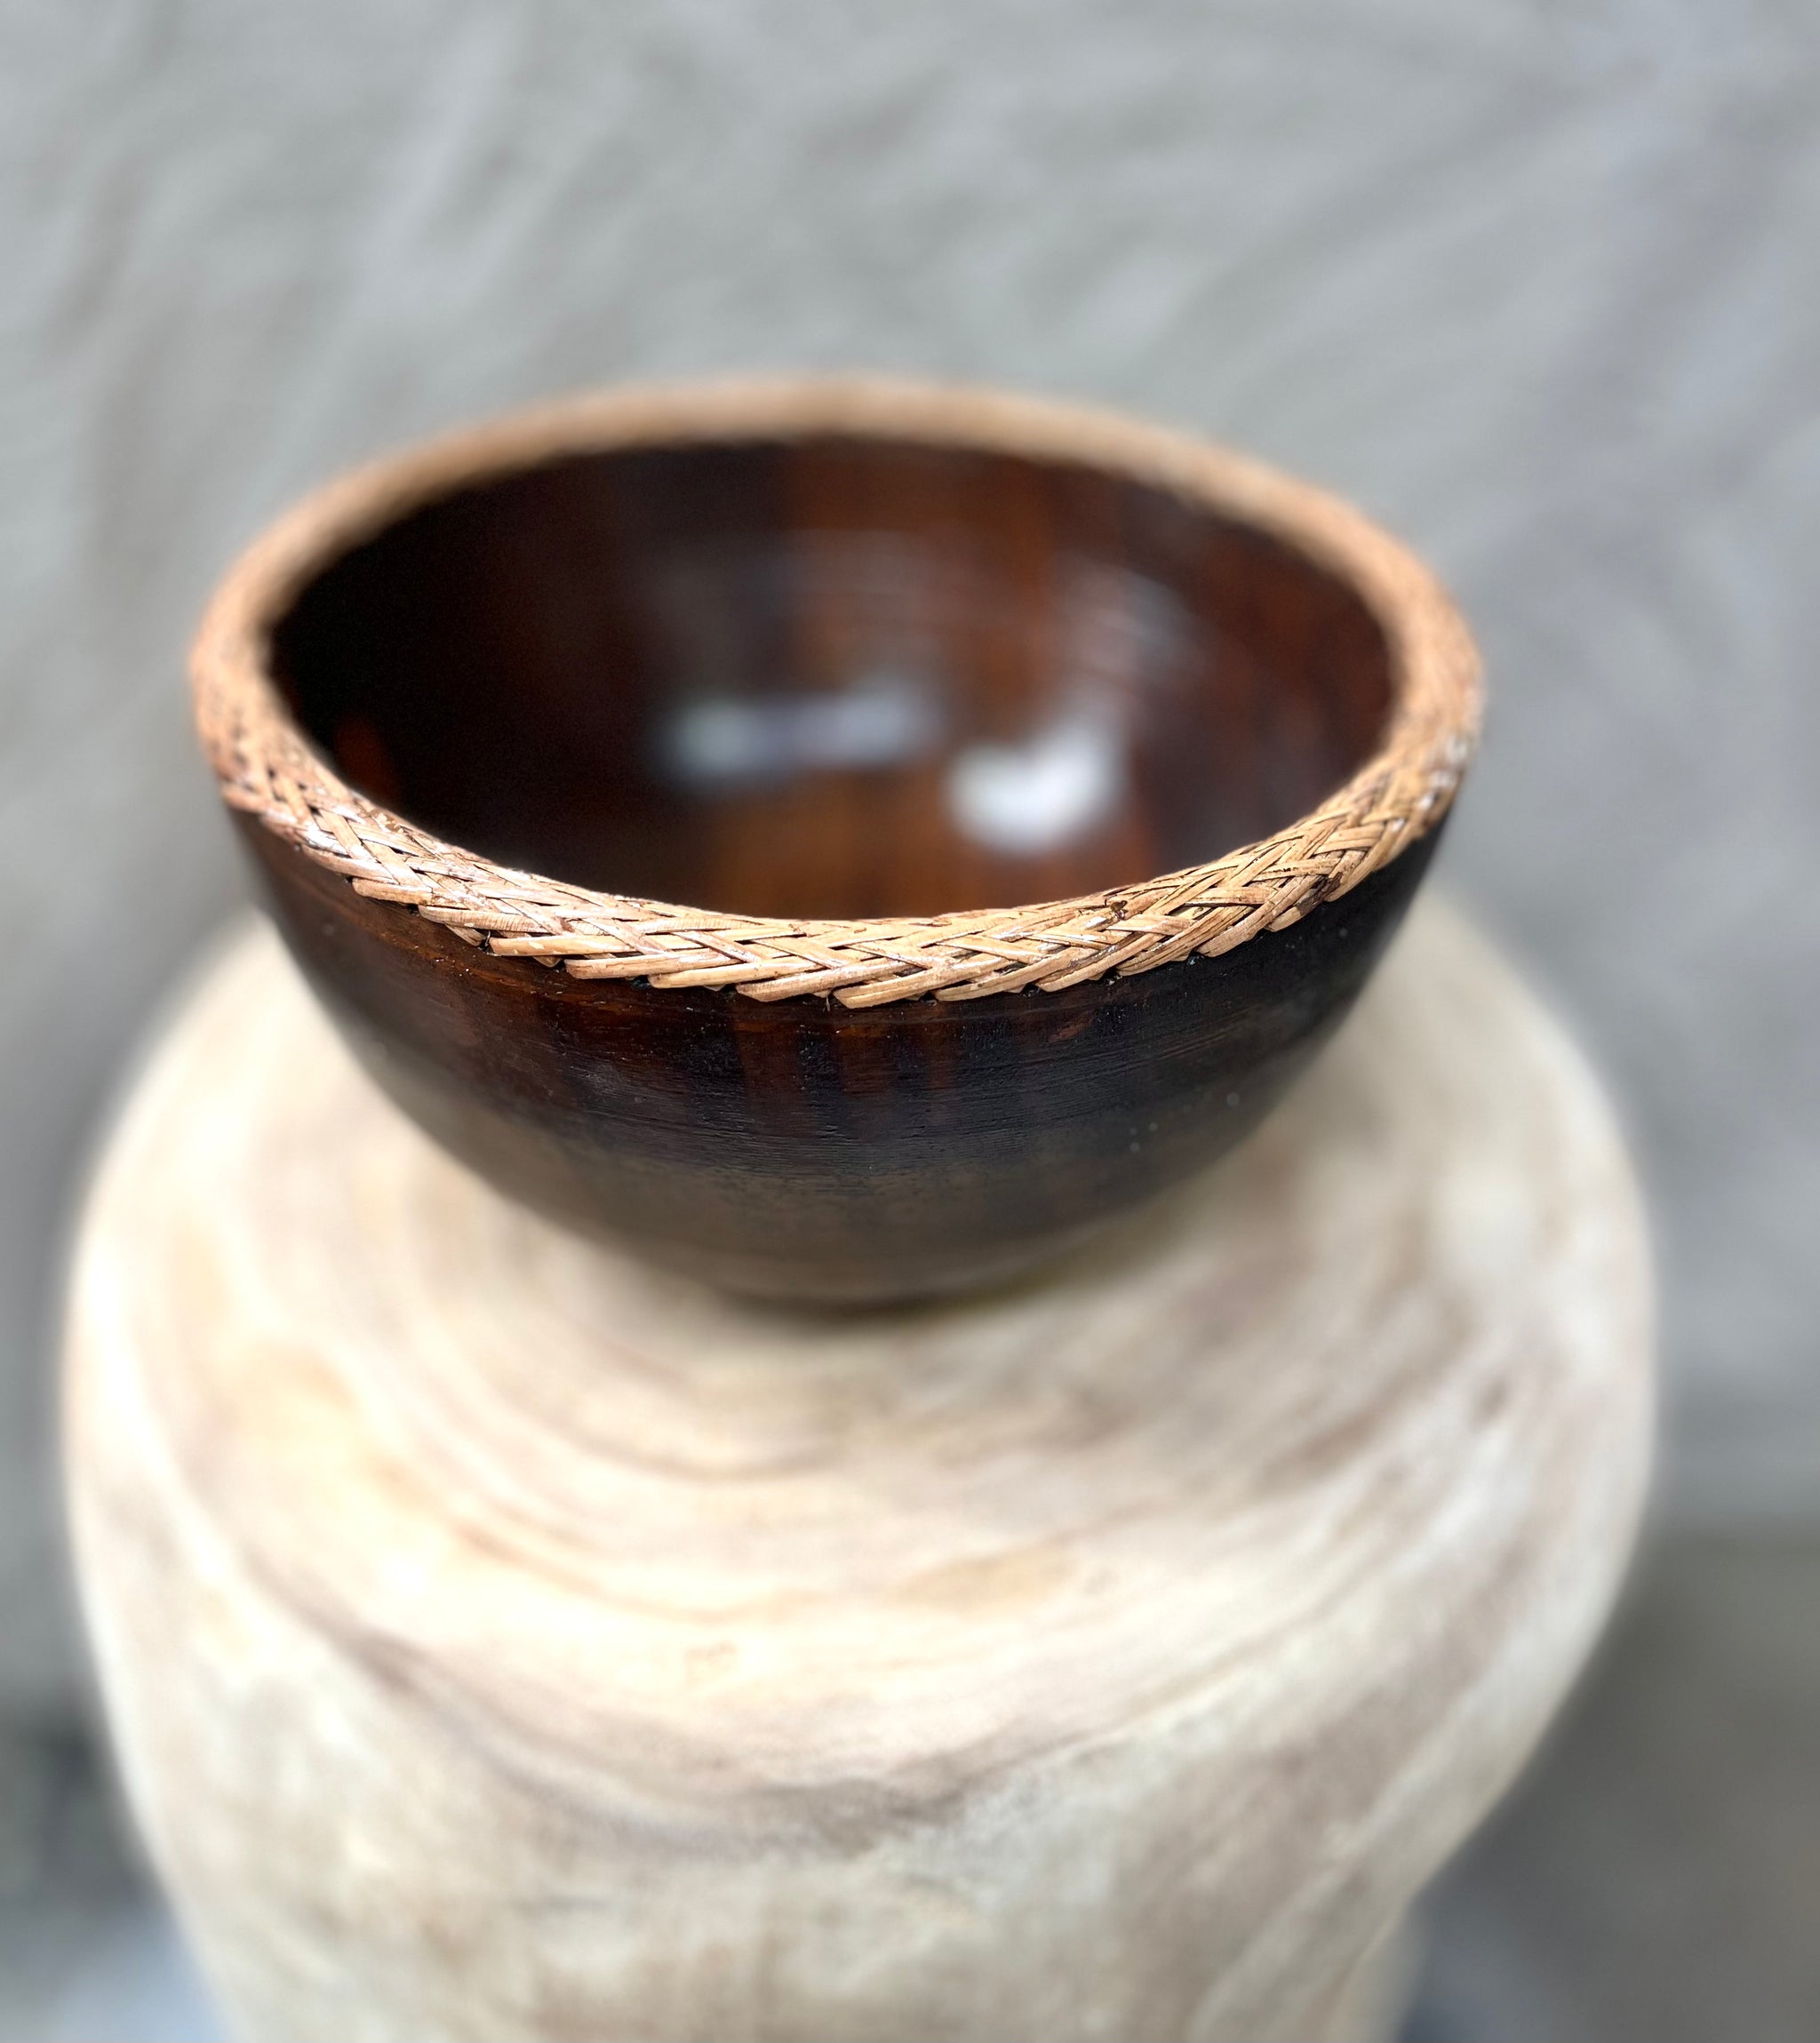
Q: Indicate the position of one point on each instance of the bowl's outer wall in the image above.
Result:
(803, 1149)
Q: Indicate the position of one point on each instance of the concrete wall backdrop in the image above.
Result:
(1538, 284)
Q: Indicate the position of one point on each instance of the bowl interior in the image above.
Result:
(834, 677)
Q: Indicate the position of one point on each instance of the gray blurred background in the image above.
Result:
(1538, 284)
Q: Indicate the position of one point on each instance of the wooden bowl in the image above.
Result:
(853, 669)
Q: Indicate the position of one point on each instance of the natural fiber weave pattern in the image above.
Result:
(267, 769)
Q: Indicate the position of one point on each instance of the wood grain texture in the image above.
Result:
(899, 654)
(1541, 292)
(504, 1639)
(802, 1151)
(344, 607)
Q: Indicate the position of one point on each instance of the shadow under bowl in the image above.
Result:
(649, 785)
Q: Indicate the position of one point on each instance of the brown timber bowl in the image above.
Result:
(656, 787)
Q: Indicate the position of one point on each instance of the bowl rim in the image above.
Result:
(269, 769)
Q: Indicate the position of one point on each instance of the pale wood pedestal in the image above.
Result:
(503, 1640)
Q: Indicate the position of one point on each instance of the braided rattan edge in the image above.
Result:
(267, 769)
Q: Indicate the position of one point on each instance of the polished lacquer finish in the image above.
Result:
(841, 675)
(803, 1149)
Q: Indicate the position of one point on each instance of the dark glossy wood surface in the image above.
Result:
(806, 1151)
(834, 678)
(841, 678)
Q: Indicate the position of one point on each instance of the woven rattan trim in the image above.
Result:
(267, 769)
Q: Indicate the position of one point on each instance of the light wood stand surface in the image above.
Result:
(502, 1640)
